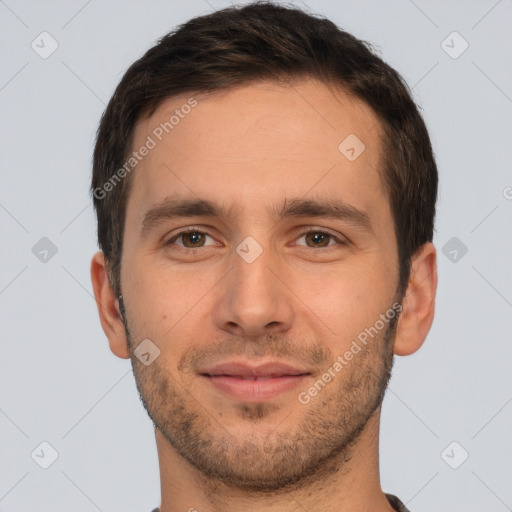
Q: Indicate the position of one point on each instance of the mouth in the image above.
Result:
(254, 384)
(254, 389)
(265, 377)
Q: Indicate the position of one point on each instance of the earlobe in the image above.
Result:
(108, 307)
(418, 304)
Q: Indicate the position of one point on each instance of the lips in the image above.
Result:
(262, 372)
(247, 383)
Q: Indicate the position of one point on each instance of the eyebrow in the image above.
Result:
(335, 209)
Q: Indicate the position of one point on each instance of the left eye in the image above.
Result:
(319, 238)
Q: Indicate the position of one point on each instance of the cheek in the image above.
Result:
(167, 304)
(147, 294)
(345, 300)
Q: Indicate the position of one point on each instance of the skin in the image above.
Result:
(301, 301)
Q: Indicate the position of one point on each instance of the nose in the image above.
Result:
(255, 298)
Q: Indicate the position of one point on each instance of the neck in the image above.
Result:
(348, 482)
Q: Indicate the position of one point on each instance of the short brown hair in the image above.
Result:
(264, 41)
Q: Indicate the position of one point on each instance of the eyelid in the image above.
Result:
(188, 229)
(339, 238)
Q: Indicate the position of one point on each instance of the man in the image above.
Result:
(265, 190)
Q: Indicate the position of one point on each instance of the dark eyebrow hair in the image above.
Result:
(336, 209)
(170, 208)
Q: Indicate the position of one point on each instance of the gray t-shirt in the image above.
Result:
(393, 501)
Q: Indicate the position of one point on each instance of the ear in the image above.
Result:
(418, 303)
(108, 307)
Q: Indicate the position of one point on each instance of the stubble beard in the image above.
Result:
(270, 459)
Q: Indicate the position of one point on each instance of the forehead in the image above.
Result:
(259, 143)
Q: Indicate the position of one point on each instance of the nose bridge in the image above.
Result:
(253, 301)
(252, 282)
(251, 275)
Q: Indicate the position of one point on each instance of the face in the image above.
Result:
(290, 257)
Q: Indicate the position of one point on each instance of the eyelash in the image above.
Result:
(193, 229)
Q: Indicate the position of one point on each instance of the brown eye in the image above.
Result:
(190, 239)
(193, 239)
(318, 238)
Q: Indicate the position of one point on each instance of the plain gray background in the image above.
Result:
(59, 382)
